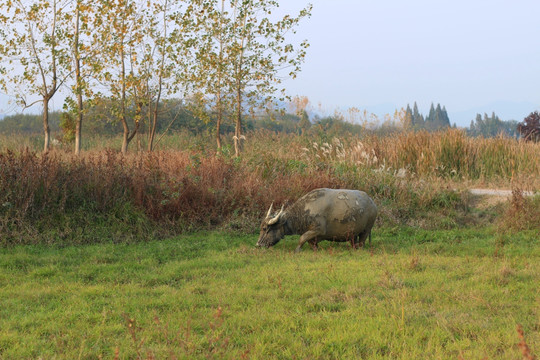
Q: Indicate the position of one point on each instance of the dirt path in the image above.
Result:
(486, 198)
(495, 192)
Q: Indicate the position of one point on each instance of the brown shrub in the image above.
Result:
(166, 186)
(522, 213)
(194, 189)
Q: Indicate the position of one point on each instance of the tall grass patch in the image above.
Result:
(521, 213)
(411, 176)
(172, 191)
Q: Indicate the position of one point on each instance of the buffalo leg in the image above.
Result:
(356, 242)
(362, 238)
(309, 236)
(352, 240)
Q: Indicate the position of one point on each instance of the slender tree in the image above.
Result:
(120, 30)
(169, 41)
(157, 57)
(33, 52)
(145, 47)
(209, 69)
(78, 76)
(79, 24)
(251, 56)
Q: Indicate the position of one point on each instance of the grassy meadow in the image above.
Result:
(151, 255)
(413, 294)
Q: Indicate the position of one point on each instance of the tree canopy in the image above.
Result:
(529, 128)
(226, 56)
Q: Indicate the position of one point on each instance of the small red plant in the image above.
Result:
(525, 350)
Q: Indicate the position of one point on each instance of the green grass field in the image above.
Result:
(415, 294)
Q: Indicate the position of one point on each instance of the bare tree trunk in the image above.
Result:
(78, 123)
(219, 119)
(46, 128)
(48, 93)
(238, 122)
(125, 141)
(219, 80)
(138, 116)
(239, 89)
(154, 121)
(160, 83)
(151, 129)
(127, 137)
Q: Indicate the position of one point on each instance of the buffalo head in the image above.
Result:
(272, 229)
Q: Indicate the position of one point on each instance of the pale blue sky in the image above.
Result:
(469, 55)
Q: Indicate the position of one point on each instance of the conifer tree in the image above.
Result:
(491, 126)
(438, 117)
(446, 119)
(408, 121)
(430, 119)
(479, 119)
(417, 117)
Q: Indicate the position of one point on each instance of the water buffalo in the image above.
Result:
(322, 214)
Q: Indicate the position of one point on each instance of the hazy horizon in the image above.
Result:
(468, 56)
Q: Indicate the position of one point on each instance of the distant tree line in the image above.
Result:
(486, 126)
(179, 117)
(27, 123)
(437, 119)
(491, 126)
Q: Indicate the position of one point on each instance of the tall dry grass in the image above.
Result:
(176, 189)
(447, 154)
(409, 175)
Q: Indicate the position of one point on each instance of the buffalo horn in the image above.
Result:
(276, 218)
(269, 211)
